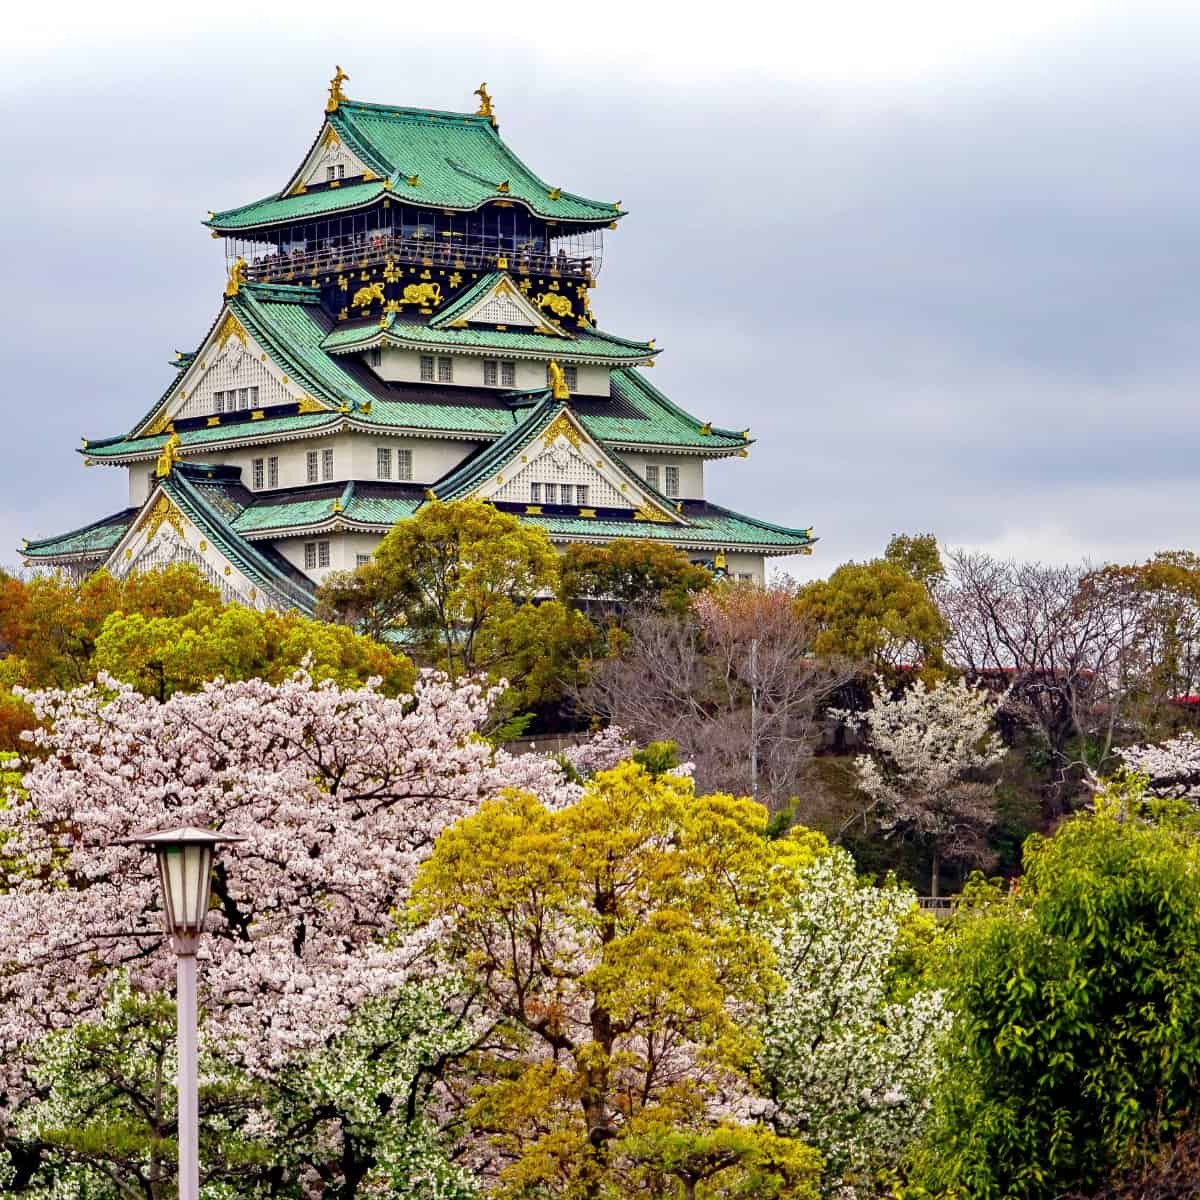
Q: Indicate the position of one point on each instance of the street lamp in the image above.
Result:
(185, 861)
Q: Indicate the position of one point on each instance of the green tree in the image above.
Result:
(878, 614)
(1078, 1010)
(440, 576)
(631, 574)
(918, 554)
(612, 940)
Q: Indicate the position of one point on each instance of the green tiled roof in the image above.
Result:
(377, 506)
(708, 524)
(277, 208)
(92, 541)
(458, 160)
(638, 414)
(198, 439)
(592, 345)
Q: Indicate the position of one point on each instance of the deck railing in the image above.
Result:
(457, 252)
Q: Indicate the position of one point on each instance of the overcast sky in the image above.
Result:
(942, 262)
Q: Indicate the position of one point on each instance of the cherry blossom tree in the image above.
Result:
(1173, 766)
(339, 796)
(925, 780)
(849, 1062)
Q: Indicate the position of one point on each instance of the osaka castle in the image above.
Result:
(410, 317)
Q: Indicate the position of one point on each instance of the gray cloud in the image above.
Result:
(964, 304)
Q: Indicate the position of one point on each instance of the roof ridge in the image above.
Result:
(35, 543)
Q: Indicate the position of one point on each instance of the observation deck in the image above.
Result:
(267, 263)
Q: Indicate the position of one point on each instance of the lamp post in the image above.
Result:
(185, 862)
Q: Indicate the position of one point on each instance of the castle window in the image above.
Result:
(535, 493)
(652, 474)
(361, 560)
(571, 378)
(151, 476)
(375, 356)
(508, 375)
(383, 463)
(311, 461)
(335, 171)
(218, 402)
(310, 556)
(490, 372)
(254, 397)
(259, 474)
(551, 493)
(404, 464)
(581, 493)
(322, 554)
(273, 471)
(327, 464)
(426, 368)
(445, 370)
(672, 481)
(243, 398)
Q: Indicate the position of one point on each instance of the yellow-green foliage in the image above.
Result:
(161, 655)
(598, 932)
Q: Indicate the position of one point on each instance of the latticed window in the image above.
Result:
(218, 402)
(327, 464)
(551, 493)
(581, 493)
(445, 370)
(383, 463)
(490, 375)
(322, 554)
(571, 377)
(404, 464)
(311, 461)
(535, 493)
(375, 356)
(652, 474)
(361, 560)
(508, 374)
(259, 473)
(310, 556)
(672, 481)
(273, 471)
(426, 368)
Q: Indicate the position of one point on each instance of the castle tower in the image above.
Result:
(408, 317)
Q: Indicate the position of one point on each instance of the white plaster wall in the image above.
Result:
(354, 457)
(691, 471)
(344, 549)
(404, 366)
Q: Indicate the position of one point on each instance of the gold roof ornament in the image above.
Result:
(336, 95)
(237, 276)
(169, 457)
(706, 429)
(485, 104)
(555, 193)
(558, 382)
(719, 561)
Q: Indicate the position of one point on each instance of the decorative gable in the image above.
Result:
(329, 162)
(502, 304)
(230, 373)
(162, 534)
(564, 465)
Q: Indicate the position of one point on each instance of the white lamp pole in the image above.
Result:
(185, 862)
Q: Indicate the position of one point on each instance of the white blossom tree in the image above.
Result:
(932, 747)
(1173, 766)
(849, 1062)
